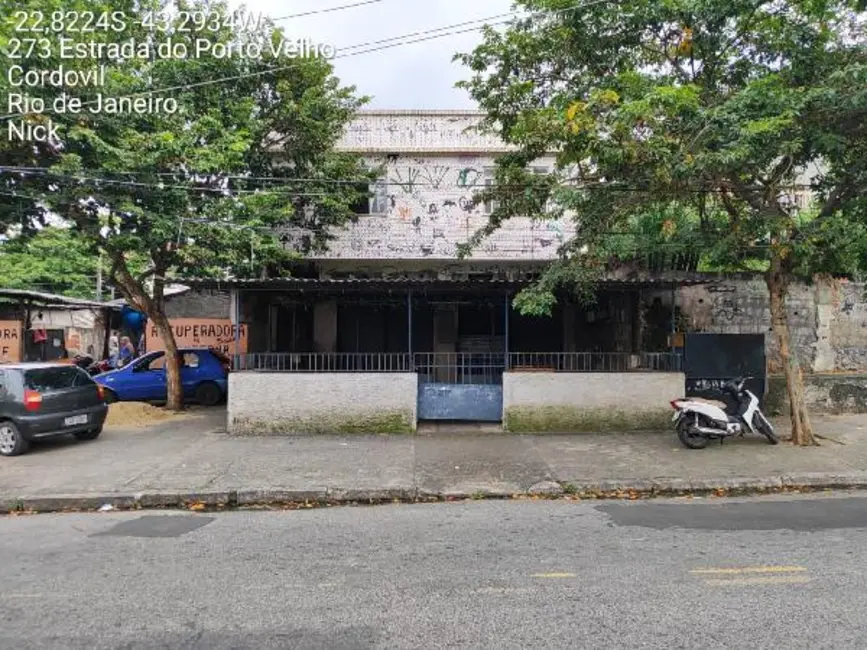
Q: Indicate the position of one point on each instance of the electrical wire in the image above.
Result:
(388, 44)
(638, 247)
(288, 189)
(313, 12)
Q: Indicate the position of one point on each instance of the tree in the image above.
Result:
(720, 105)
(54, 260)
(211, 173)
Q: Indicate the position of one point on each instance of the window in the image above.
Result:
(190, 360)
(373, 199)
(155, 363)
(379, 200)
(45, 380)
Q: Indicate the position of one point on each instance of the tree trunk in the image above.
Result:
(134, 292)
(174, 389)
(777, 280)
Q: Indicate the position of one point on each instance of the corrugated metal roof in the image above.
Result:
(396, 282)
(52, 300)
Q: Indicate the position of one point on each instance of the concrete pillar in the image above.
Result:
(637, 322)
(325, 326)
(570, 316)
(445, 339)
(622, 317)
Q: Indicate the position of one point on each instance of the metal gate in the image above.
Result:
(712, 359)
(460, 386)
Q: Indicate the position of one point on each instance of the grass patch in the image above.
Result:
(565, 419)
(381, 423)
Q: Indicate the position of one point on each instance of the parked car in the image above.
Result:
(204, 377)
(44, 400)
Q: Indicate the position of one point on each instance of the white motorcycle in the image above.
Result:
(697, 423)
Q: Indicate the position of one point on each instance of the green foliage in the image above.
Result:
(54, 261)
(185, 189)
(683, 125)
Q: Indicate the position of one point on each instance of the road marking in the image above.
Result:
(751, 569)
(554, 575)
(775, 580)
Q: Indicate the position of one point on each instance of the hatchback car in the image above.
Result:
(204, 377)
(44, 400)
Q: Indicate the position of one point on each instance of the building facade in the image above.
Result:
(390, 328)
(400, 330)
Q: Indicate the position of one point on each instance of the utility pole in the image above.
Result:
(99, 279)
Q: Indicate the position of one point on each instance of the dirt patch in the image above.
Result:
(138, 414)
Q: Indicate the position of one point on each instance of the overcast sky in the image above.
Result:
(416, 76)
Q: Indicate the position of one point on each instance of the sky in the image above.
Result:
(416, 76)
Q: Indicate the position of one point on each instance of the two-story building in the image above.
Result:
(389, 327)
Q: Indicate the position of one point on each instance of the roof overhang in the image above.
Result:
(402, 284)
(51, 301)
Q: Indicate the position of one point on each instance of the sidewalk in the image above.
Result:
(190, 459)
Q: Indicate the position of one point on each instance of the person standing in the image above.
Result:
(126, 353)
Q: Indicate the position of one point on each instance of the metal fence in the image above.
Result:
(595, 362)
(325, 362)
(461, 367)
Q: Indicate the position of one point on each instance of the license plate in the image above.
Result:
(74, 420)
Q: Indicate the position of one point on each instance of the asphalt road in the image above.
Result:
(775, 572)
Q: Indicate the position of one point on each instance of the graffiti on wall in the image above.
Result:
(432, 209)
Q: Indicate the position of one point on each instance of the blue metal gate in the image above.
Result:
(460, 386)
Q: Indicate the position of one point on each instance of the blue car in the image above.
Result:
(204, 376)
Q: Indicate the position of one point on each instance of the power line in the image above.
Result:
(328, 10)
(286, 183)
(382, 44)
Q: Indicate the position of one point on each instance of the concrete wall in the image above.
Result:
(286, 403)
(199, 304)
(592, 402)
(418, 131)
(827, 318)
(825, 393)
(434, 163)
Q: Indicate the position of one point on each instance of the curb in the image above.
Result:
(325, 497)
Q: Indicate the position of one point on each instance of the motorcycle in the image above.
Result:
(697, 423)
(86, 362)
(99, 367)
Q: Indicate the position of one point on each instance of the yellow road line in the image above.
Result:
(752, 569)
(554, 575)
(775, 580)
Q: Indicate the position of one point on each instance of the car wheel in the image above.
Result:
(11, 441)
(110, 396)
(91, 434)
(208, 394)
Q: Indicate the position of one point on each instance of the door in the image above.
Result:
(192, 372)
(147, 379)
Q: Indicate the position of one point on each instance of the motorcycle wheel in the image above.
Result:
(687, 438)
(766, 429)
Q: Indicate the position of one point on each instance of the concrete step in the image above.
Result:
(450, 428)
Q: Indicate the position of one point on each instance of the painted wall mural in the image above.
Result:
(429, 209)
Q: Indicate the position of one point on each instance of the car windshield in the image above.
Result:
(45, 380)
